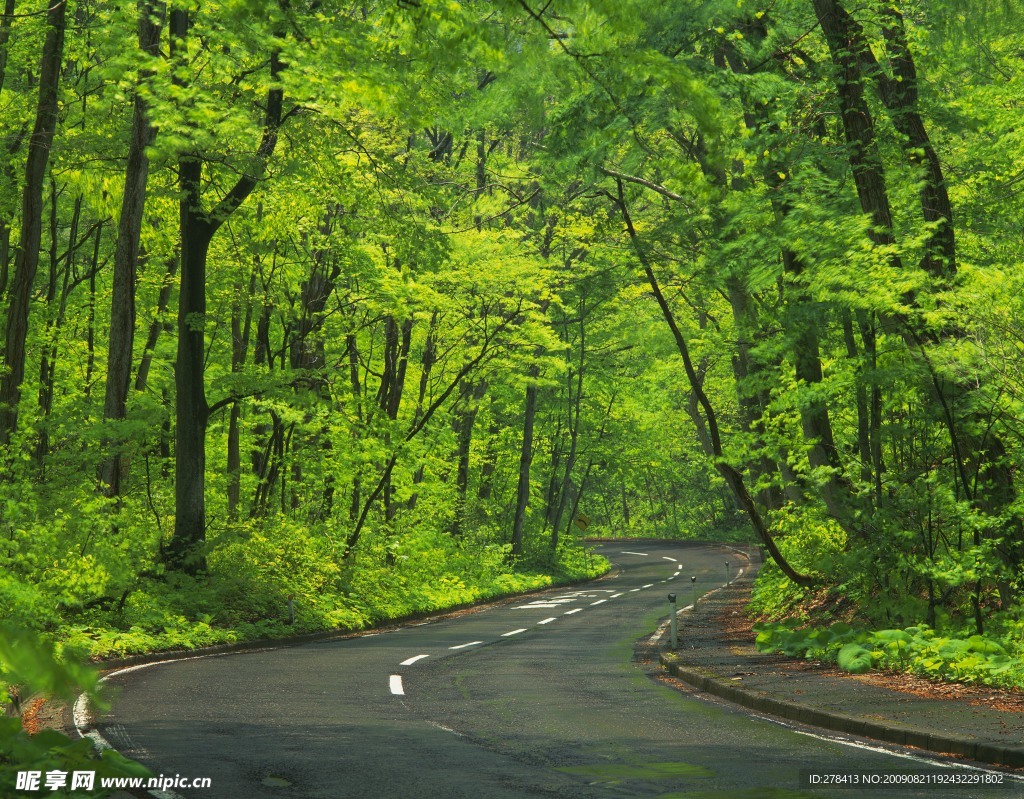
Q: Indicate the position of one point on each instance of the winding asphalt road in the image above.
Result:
(538, 697)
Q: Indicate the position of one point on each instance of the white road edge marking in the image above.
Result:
(412, 660)
(81, 717)
(649, 585)
(598, 602)
(570, 612)
(548, 621)
(666, 557)
(514, 632)
(613, 596)
(396, 685)
(641, 554)
(883, 750)
(463, 646)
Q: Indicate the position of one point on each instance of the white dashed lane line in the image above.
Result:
(396, 679)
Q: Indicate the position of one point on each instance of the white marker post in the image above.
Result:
(693, 583)
(673, 623)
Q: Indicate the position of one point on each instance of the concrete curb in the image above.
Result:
(851, 724)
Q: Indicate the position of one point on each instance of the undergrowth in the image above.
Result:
(918, 650)
(853, 622)
(254, 573)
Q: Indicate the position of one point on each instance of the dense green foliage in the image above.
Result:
(377, 307)
(920, 650)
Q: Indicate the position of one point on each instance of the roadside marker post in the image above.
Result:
(727, 572)
(693, 583)
(674, 624)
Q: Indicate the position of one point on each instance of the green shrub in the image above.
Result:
(854, 658)
(919, 649)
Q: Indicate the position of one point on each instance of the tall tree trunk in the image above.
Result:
(397, 342)
(198, 227)
(54, 316)
(26, 260)
(426, 367)
(307, 349)
(464, 422)
(126, 252)
(5, 224)
(525, 458)
(575, 404)
(992, 490)
(240, 332)
(352, 350)
(191, 409)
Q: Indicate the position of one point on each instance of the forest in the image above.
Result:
(373, 309)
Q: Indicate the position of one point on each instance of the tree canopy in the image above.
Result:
(324, 301)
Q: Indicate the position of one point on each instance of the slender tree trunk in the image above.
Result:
(307, 349)
(464, 434)
(54, 316)
(126, 253)
(26, 260)
(426, 367)
(5, 224)
(732, 476)
(240, 332)
(525, 458)
(397, 342)
(159, 323)
(575, 404)
(351, 346)
(861, 397)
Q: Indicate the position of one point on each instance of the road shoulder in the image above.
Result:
(716, 655)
